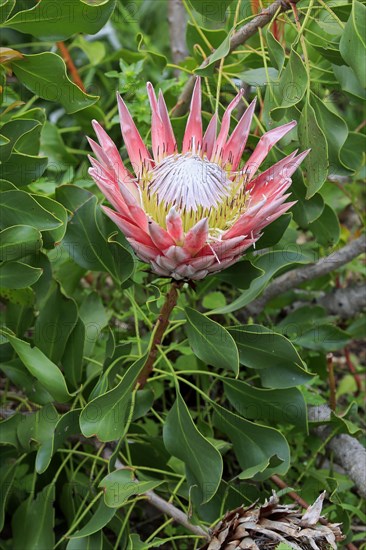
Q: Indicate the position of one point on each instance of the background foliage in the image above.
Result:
(226, 408)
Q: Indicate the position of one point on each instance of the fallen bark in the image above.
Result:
(293, 279)
(348, 452)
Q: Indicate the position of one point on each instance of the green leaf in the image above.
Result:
(212, 10)
(120, 485)
(21, 377)
(211, 342)
(240, 275)
(335, 130)
(285, 406)
(353, 41)
(49, 21)
(303, 318)
(349, 82)
(19, 319)
(7, 474)
(312, 137)
(270, 263)
(255, 446)
(72, 360)
(273, 233)
(40, 367)
(20, 296)
(94, 318)
(93, 542)
(89, 248)
(54, 324)
(53, 146)
(159, 60)
(100, 519)
(291, 86)
(305, 210)
(221, 52)
(65, 426)
(18, 275)
(213, 300)
(276, 359)
(19, 241)
(33, 521)
(352, 152)
(18, 207)
(12, 131)
(45, 74)
(323, 338)
(37, 427)
(95, 50)
(259, 77)
(53, 237)
(8, 429)
(6, 8)
(195, 36)
(326, 228)
(107, 416)
(275, 51)
(202, 460)
(22, 169)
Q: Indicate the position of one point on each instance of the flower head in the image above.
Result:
(193, 212)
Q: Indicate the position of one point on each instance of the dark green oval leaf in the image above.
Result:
(202, 460)
(211, 342)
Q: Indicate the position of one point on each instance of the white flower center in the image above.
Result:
(189, 182)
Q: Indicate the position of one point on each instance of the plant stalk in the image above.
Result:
(158, 331)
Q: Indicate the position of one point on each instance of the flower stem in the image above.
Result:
(158, 332)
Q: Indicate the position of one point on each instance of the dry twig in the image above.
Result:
(164, 506)
(240, 37)
(297, 277)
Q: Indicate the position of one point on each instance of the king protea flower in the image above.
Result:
(193, 212)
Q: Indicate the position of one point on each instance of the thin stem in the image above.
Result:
(74, 73)
(158, 332)
(332, 384)
(300, 28)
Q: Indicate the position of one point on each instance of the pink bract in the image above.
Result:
(193, 212)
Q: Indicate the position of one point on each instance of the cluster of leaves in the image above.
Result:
(227, 400)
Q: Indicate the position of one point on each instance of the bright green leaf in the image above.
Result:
(18, 207)
(255, 446)
(33, 521)
(326, 228)
(291, 86)
(312, 137)
(270, 263)
(353, 41)
(202, 461)
(99, 519)
(211, 342)
(19, 241)
(221, 52)
(40, 367)
(323, 338)
(45, 74)
(276, 359)
(18, 275)
(120, 485)
(107, 416)
(50, 21)
(54, 324)
(89, 248)
(285, 406)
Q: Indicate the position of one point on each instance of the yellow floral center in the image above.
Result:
(197, 188)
